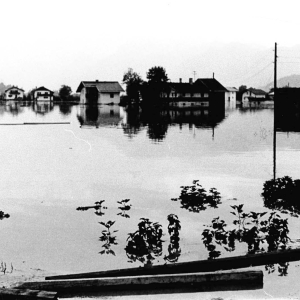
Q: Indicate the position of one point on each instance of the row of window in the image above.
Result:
(190, 104)
(175, 95)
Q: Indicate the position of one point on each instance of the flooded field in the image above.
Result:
(75, 189)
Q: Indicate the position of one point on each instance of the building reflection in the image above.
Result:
(157, 121)
(42, 107)
(99, 115)
(13, 107)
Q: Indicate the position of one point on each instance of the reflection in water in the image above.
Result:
(146, 243)
(99, 115)
(124, 208)
(13, 107)
(158, 120)
(98, 207)
(257, 230)
(282, 194)
(65, 108)
(43, 107)
(195, 198)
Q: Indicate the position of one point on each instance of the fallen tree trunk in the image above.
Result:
(227, 263)
(194, 281)
(7, 293)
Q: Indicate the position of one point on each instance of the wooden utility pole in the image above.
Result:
(274, 99)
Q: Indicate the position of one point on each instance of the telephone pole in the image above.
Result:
(274, 111)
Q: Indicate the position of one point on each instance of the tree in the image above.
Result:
(65, 92)
(133, 83)
(157, 84)
(157, 75)
(242, 88)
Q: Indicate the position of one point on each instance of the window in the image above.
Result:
(112, 95)
(192, 104)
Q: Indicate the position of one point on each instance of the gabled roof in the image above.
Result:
(231, 89)
(42, 88)
(188, 87)
(13, 87)
(256, 91)
(102, 86)
(212, 84)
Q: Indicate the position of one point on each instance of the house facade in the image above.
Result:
(204, 92)
(14, 93)
(43, 94)
(230, 97)
(99, 92)
(253, 95)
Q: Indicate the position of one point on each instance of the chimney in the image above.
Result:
(180, 80)
(191, 80)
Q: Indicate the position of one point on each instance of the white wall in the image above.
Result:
(105, 98)
(41, 96)
(9, 97)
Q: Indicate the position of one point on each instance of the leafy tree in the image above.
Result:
(242, 88)
(156, 85)
(65, 92)
(133, 82)
(157, 75)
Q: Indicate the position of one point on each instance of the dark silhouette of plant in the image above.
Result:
(98, 208)
(3, 215)
(282, 194)
(195, 198)
(146, 243)
(174, 248)
(251, 228)
(108, 238)
(124, 208)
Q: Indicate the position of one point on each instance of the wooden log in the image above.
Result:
(193, 281)
(7, 293)
(45, 123)
(227, 263)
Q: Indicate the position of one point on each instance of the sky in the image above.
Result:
(51, 43)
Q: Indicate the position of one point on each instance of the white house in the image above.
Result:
(230, 97)
(99, 92)
(13, 93)
(253, 95)
(42, 94)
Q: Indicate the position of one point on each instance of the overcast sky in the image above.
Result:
(54, 42)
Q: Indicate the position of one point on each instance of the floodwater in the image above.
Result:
(90, 154)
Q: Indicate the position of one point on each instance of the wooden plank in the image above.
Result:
(7, 293)
(200, 282)
(227, 263)
(35, 123)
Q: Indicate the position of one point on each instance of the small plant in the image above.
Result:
(146, 243)
(124, 208)
(251, 228)
(195, 198)
(174, 248)
(282, 194)
(108, 238)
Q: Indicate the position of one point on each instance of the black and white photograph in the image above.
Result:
(150, 149)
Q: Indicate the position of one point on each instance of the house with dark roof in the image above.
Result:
(253, 95)
(14, 93)
(99, 92)
(204, 92)
(43, 94)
